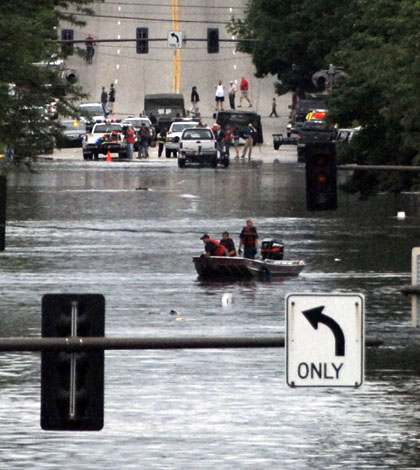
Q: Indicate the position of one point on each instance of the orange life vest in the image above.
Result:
(219, 249)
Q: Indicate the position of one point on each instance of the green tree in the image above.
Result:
(28, 34)
(293, 39)
(382, 92)
(376, 43)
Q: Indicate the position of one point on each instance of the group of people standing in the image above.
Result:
(220, 96)
(143, 139)
(248, 239)
(229, 136)
(108, 100)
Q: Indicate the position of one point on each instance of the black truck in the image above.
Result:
(241, 119)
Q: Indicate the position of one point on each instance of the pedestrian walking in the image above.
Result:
(244, 88)
(232, 94)
(195, 98)
(104, 101)
(273, 108)
(220, 96)
(111, 99)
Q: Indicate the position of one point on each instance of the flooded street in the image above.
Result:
(78, 227)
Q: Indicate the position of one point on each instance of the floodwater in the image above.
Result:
(84, 228)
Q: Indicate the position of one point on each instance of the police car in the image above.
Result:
(105, 136)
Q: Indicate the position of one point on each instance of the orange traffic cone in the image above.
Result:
(108, 157)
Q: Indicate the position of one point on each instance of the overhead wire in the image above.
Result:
(138, 18)
(215, 7)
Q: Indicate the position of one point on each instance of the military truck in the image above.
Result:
(165, 107)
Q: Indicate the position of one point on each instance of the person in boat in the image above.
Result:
(228, 243)
(248, 239)
(212, 247)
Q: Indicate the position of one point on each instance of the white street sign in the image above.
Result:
(324, 340)
(175, 39)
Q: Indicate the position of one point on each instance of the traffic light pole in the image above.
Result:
(83, 344)
(98, 41)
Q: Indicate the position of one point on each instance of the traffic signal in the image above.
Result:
(321, 177)
(142, 43)
(67, 48)
(212, 40)
(72, 383)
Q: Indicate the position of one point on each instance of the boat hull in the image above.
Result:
(238, 268)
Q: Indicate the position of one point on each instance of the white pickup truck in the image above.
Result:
(105, 137)
(198, 146)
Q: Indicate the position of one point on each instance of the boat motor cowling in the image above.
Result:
(272, 249)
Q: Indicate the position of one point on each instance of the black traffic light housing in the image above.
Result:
(67, 47)
(212, 40)
(321, 176)
(142, 43)
(72, 383)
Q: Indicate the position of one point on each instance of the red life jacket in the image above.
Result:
(249, 236)
(220, 250)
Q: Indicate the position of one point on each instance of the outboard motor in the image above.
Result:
(272, 249)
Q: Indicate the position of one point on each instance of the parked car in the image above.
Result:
(91, 113)
(174, 134)
(73, 132)
(313, 131)
(198, 146)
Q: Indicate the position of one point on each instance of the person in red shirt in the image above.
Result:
(130, 137)
(212, 247)
(244, 87)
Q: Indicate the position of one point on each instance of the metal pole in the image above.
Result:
(77, 344)
(73, 361)
(352, 167)
(98, 41)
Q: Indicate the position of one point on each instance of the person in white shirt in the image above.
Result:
(220, 96)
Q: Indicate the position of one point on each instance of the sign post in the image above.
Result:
(324, 340)
(415, 281)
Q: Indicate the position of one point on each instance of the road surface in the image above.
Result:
(161, 70)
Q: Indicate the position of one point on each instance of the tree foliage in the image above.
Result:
(376, 42)
(28, 34)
